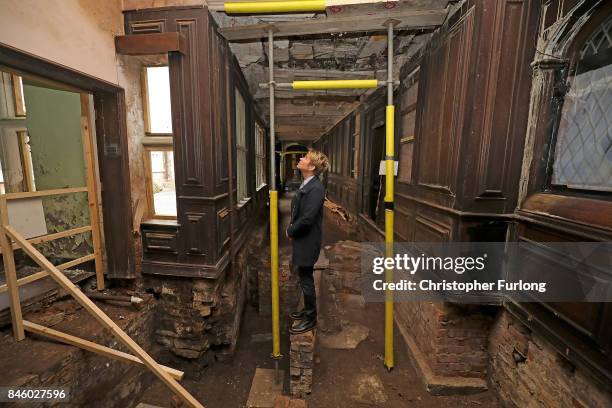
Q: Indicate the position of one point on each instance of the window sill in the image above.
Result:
(158, 222)
(579, 210)
(242, 203)
(157, 140)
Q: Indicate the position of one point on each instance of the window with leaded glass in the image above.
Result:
(583, 151)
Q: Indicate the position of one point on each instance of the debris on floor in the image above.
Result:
(348, 338)
(368, 389)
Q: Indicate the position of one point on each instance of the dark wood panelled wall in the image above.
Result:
(460, 147)
(200, 242)
(461, 129)
(549, 213)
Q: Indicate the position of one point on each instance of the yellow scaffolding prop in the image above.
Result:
(319, 5)
(336, 84)
(256, 7)
(389, 197)
(276, 353)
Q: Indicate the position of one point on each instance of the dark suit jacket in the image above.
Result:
(306, 219)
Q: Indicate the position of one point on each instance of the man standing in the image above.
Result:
(305, 234)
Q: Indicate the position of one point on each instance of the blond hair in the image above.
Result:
(319, 160)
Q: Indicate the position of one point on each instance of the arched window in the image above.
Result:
(583, 150)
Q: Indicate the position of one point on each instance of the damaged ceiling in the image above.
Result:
(306, 115)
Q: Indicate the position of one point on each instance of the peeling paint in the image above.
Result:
(54, 127)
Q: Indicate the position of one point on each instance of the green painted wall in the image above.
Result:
(54, 126)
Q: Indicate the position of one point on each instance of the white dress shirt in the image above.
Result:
(306, 181)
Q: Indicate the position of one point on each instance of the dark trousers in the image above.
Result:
(308, 289)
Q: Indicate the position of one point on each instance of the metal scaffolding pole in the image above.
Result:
(389, 186)
(276, 354)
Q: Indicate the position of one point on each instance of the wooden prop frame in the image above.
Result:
(10, 240)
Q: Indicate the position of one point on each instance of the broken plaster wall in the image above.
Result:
(54, 127)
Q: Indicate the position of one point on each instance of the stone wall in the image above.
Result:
(196, 314)
(302, 346)
(526, 370)
(301, 359)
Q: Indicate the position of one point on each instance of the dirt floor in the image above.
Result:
(340, 376)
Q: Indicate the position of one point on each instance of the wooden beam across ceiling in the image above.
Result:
(287, 108)
(382, 9)
(298, 136)
(411, 20)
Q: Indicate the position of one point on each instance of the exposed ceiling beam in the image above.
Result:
(383, 9)
(416, 19)
(297, 137)
(299, 108)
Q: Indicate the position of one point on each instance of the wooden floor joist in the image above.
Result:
(102, 318)
(418, 19)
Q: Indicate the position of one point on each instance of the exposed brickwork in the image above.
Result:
(525, 370)
(288, 285)
(93, 380)
(301, 363)
(345, 266)
(195, 314)
(453, 338)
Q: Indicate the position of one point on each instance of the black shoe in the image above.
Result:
(298, 315)
(303, 326)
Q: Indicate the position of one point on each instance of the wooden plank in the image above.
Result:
(20, 108)
(26, 159)
(92, 193)
(45, 193)
(144, 87)
(91, 346)
(150, 4)
(39, 275)
(150, 213)
(157, 141)
(411, 20)
(56, 235)
(153, 43)
(10, 273)
(102, 318)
